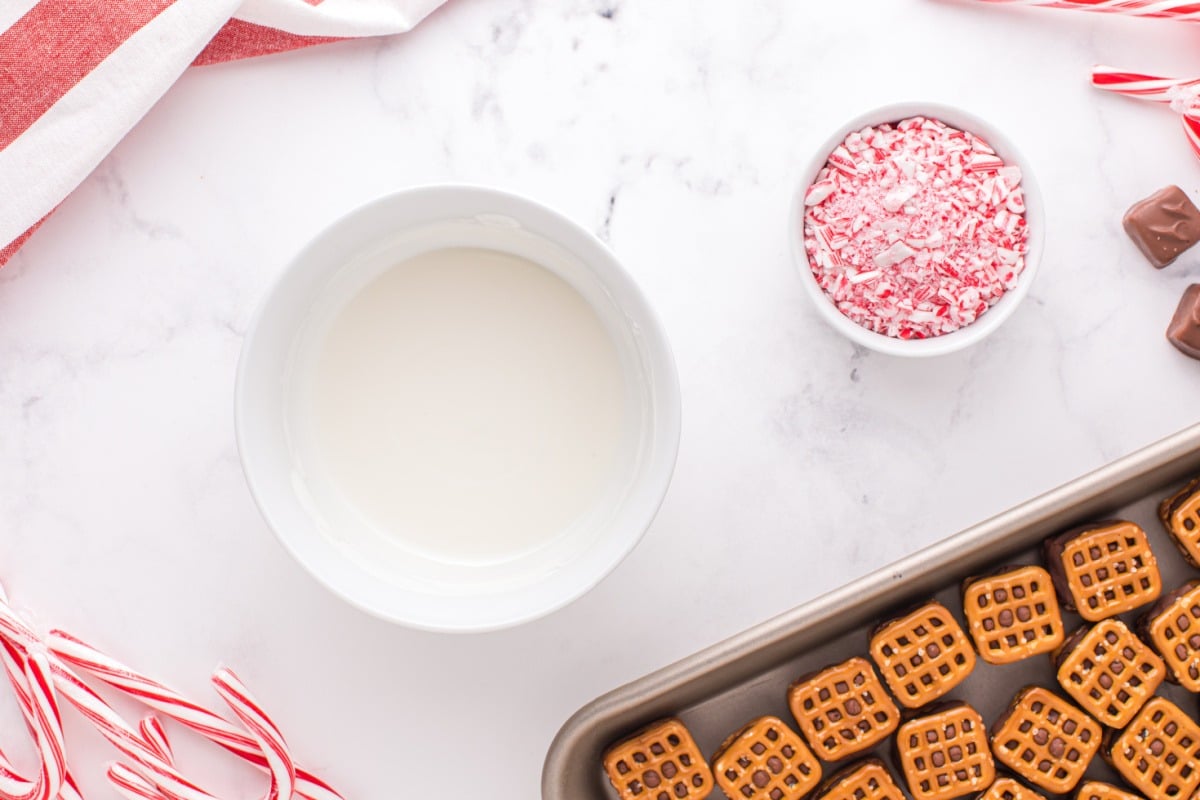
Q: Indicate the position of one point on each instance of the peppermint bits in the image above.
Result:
(915, 229)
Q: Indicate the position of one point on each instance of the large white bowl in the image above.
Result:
(417, 589)
(987, 322)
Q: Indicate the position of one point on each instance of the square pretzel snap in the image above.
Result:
(1172, 627)
(944, 753)
(1103, 570)
(843, 709)
(868, 779)
(1046, 740)
(1180, 515)
(1109, 671)
(659, 762)
(923, 654)
(1012, 614)
(766, 759)
(1159, 753)
(1006, 788)
(1098, 790)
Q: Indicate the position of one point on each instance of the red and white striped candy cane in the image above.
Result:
(1161, 9)
(144, 757)
(1176, 92)
(127, 781)
(1143, 87)
(172, 704)
(36, 696)
(268, 737)
(19, 638)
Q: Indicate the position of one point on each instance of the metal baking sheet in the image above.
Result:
(719, 689)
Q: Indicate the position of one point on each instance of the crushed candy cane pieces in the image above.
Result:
(915, 229)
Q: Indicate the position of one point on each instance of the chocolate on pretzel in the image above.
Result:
(1012, 614)
(1172, 627)
(659, 762)
(1104, 569)
(843, 710)
(868, 779)
(1045, 739)
(923, 654)
(1180, 515)
(1097, 790)
(1005, 788)
(944, 753)
(1159, 753)
(1109, 671)
(766, 760)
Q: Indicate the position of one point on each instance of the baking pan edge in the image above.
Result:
(573, 757)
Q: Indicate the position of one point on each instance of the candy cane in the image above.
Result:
(35, 693)
(127, 781)
(268, 737)
(172, 704)
(156, 736)
(17, 636)
(1180, 94)
(1161, 9)
(126, 739)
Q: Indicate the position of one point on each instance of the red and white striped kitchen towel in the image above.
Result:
(76, 75)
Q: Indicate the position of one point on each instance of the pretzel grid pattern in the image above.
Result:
(868, 780)
(1111, 673)
(766, 760)
(945, 754)
(843, 709)
(1175, 634)
(1096, 790)
(922, 655)
(1159, 753)
(1013, 615)
(1008, 789)
(1111, 570)
(660, 763)
(1180, 515)
(1046, 740)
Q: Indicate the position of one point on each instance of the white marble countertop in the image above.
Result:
(671, 128)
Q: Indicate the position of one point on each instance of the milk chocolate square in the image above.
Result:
(660, 762)
(766, 760)
(1046, 740)
(1184, 332)
(1163, 225)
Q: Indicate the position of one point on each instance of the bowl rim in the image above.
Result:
(543, 596)
(995, 316)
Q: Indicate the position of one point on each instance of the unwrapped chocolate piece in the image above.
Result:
(1163, 225)
(1184, 332)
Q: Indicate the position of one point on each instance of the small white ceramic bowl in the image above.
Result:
(990, 320)
(418, 589)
